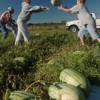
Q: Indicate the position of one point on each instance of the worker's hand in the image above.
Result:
(45, 8)
(60, 7)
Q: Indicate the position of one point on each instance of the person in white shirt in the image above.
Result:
(25, 16)
(88, 24)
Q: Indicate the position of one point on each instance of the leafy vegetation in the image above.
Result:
(34, 67)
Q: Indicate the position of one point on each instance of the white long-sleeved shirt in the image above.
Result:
(26, 15)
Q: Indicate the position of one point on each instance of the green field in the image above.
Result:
(51, 49)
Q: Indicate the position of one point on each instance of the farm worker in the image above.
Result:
(25, 16)
(88, 24)
(6, 22)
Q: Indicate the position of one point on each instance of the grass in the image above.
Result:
(49, 52)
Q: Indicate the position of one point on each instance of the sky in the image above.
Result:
(53, 15)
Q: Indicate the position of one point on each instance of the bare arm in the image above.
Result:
(64, 9)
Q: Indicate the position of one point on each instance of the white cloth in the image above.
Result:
(22, 31)
(83, 14)
(26, 15)
(88, 23)
(90, 29)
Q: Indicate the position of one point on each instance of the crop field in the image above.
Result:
(35, 66)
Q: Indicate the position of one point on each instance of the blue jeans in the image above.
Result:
(91, 29)
(11, 27)
(3, 30)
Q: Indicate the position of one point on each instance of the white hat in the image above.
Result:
(10, 8)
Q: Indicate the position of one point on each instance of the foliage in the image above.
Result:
(49, 52)
(7, 94)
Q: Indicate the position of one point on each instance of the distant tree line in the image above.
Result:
(50, 23)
